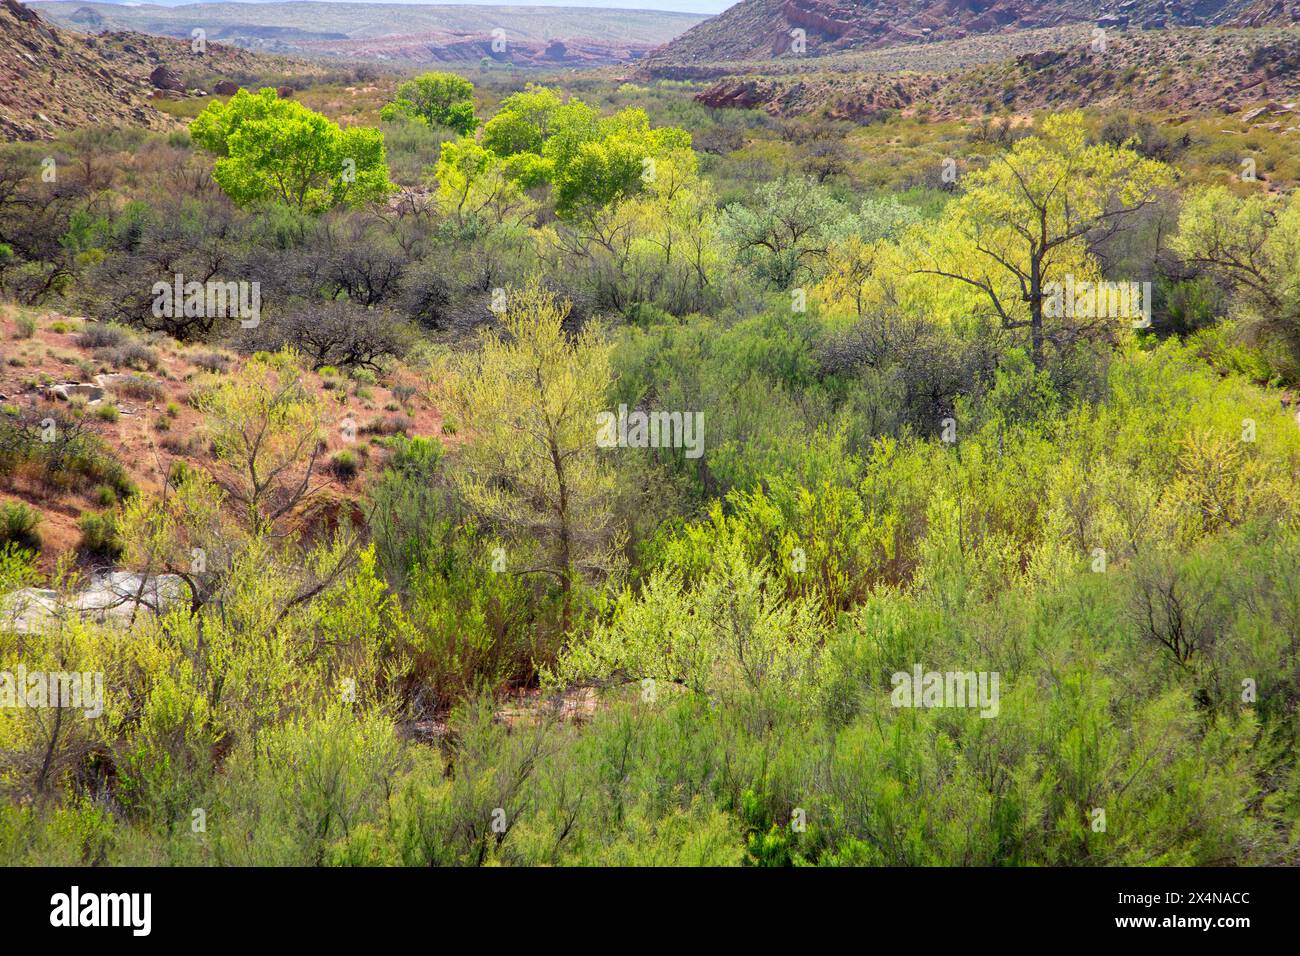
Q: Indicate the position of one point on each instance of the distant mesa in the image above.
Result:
(87, 17)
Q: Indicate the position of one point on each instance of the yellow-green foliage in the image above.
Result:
(541, 651)
(529, 400)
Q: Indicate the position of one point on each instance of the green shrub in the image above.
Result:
(101, 536)
(19, 526)
(344, 465)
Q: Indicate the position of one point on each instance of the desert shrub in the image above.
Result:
(103, 335)
(344, 465)
(464, 623)
(59, 450)
(133, 355)
(183, 235)
(101, 537)
(212, 362)
(1144, 136)
(340, 335)
(19, 526)
(49, 228)
(427, 294)
(140, 387)
(388, 425)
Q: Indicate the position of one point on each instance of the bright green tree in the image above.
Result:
(522, 123)
(277, 151)
(615, 160)
(591, 162)
(438, 99)
(474, 184)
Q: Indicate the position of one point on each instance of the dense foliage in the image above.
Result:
(529, 646)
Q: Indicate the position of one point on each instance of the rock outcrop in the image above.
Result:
(763, 29)
(115, 597)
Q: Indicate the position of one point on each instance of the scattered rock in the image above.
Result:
(65, 391)
(112, 598)
(166, 79)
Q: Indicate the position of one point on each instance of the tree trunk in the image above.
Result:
(1036, 313)
(566, 547)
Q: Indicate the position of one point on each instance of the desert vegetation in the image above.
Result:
(576, 473)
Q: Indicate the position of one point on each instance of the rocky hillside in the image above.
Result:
(53, 79)
(1228, 70)
(757, 29)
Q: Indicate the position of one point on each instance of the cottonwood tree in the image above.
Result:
(436, 99)
(1027, 218)
(528, 402)
(658, 247)
(277, 151)
(474, 187)
(590, 161)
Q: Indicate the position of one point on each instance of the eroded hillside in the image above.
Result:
(756, 29)
(52, 79)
